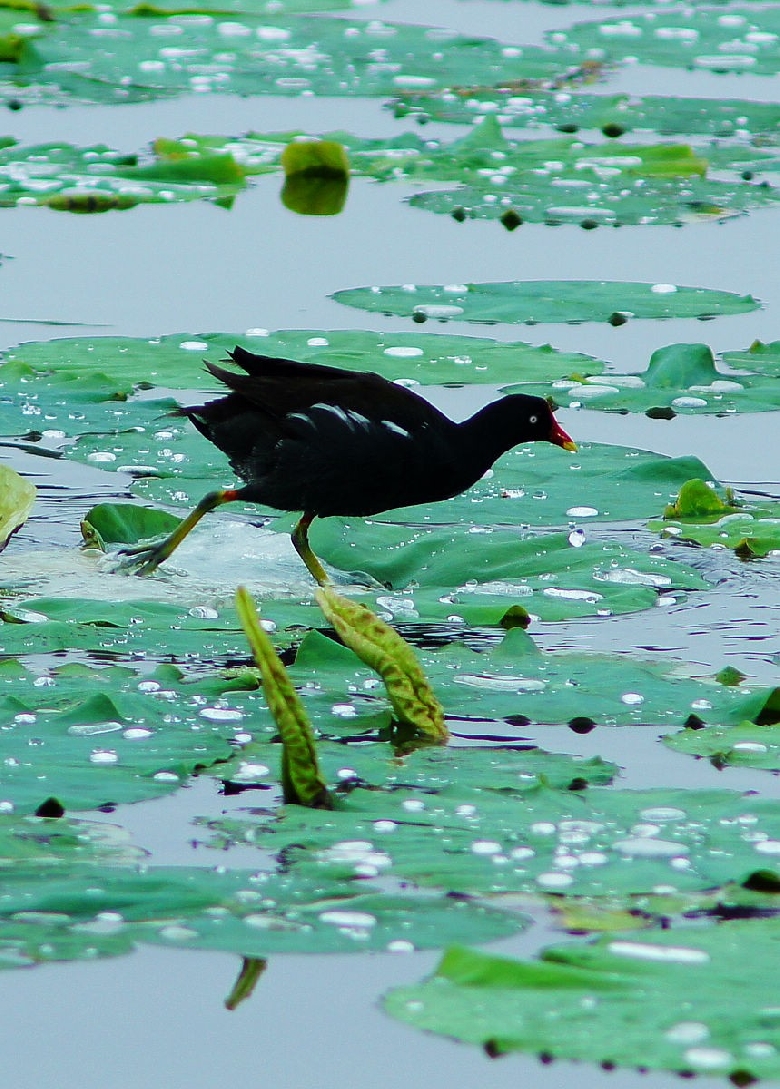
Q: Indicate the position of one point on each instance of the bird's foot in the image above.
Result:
(363, 580)
(142, 559)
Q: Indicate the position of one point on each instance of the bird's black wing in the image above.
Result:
(332, 460)
(269, 366)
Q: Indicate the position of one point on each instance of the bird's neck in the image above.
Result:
(487, 435)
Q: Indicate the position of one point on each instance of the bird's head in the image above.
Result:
(558, 436)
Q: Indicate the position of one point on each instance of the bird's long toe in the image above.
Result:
(143, 559)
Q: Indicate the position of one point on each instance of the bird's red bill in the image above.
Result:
(560, 438)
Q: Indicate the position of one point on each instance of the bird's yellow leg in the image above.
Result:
(300, 541)
(146, 558)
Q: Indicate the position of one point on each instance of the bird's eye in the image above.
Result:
(534, 419)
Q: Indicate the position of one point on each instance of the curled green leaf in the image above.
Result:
(698, 502)
(302, 782)
(382, 648)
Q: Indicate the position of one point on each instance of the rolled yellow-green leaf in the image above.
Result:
(17, 496)
(302, 781)
(321, 158)
(383, 649)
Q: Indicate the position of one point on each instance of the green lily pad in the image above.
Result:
(99, 179)
(255, 914)
(110, 524)
(503, 827)
(529, 180)
(483, 574)
(109, 368)
(264, 54)
(666, 1000)
(615, 115)
(516, 681)
(47, 845)
(196, 635)
(745, 745)
(700, 515)
(540, 485)
(680, 379)
(17, 497)
(513, 180)
(759, 357)
(533, 301)
(699, 39)
(91, 736)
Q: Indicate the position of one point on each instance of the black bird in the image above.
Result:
(328, 442)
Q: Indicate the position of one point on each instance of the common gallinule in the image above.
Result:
(317, 439)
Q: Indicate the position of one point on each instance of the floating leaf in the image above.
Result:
(759, 357)
(91, 737)
(63, 909)
(699, 501)
(532, 301)
(615, 115)
(700, 515)
(267, 54)
(17, 497)
(502, 827)
(665, 1000)
(699, 39)
(109, 368)
(680, 379)
(514, 680)
(481, 574)
(744, 745)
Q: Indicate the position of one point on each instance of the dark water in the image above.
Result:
(156, 1018)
